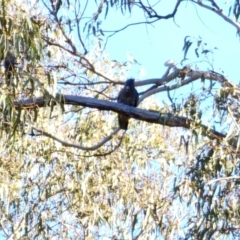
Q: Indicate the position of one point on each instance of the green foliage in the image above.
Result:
(151, 182)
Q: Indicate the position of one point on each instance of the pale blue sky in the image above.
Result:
(153, 45)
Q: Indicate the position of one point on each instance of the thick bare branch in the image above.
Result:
(192, 76)
(166, 119)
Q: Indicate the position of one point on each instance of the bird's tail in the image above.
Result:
(123, 121)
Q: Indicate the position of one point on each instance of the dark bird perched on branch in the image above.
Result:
(9, 65)
(129, 96)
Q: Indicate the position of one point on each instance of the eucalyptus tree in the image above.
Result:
(67, 169)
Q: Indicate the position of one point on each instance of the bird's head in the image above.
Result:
(130, 83)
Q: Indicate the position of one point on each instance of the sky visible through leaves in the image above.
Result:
(152, 46)
(149, 47)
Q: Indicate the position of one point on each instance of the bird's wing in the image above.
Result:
(136, 97)
(121, 96)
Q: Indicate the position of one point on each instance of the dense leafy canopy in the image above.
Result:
(69, 172)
